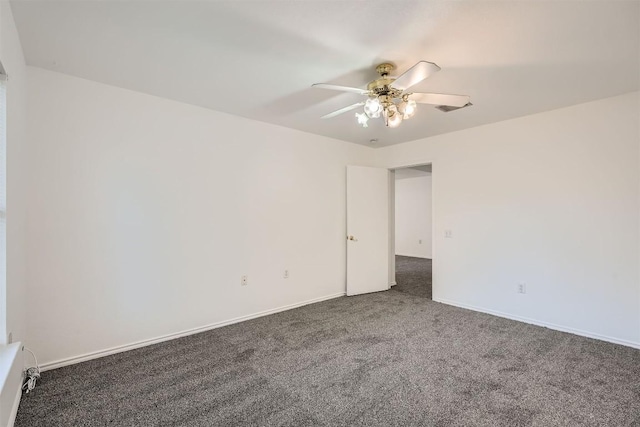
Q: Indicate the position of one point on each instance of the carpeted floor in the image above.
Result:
(383, 359)
(413, 276)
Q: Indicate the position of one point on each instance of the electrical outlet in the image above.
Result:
(522, 288)
(420, 241)
(244, 281)
(448, 234)
(286, 274)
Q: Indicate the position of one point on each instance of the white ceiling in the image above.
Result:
(258, 59)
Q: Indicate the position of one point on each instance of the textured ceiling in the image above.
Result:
(259, 59)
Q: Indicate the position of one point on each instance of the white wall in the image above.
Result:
(551, 200)
(17, 174)
(144, 214)
(413, 216)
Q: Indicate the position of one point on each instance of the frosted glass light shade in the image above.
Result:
(409, 109)
(394, 117)
(362, 119)
(373, 108)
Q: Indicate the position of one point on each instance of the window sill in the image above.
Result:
(11, 367)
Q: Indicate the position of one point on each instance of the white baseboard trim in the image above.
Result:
(541, 323)
(16, 404)
(122, 348)
(414, 256)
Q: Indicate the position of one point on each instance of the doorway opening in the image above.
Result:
(411, 230)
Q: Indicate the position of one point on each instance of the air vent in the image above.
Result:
(447, 108)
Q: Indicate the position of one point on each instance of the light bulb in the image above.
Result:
(401, 106)
(409, 109)
(394, 117)
(362, 119)
(373, 108)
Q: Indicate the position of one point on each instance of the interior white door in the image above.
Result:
(367, 230)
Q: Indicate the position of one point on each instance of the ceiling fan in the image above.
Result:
(390, 97)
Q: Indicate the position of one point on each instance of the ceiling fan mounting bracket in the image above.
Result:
(385, 68)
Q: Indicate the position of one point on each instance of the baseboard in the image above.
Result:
(541, 323)
(414, 256)
(119, 349)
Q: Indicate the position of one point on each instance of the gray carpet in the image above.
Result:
(413, 276)
(384, 359)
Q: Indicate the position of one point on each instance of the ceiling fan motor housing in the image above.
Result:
(382, 87)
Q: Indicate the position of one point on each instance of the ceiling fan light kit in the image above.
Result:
(388, 97)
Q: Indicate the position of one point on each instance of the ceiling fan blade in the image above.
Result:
(440, 99)
(342, 110)
(415, 75)
(341, 88)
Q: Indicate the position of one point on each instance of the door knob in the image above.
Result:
(352, 238)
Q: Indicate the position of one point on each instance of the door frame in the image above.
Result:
(392, 218)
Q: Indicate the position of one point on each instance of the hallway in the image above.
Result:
(413, 276)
